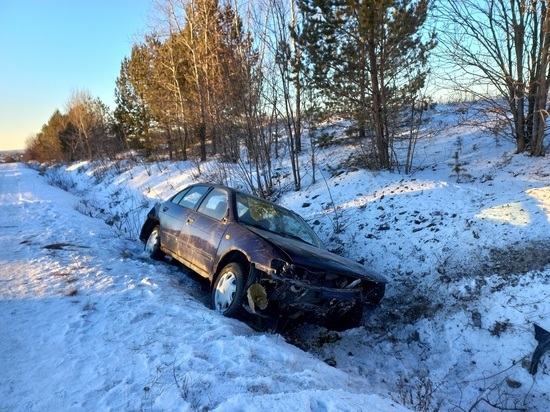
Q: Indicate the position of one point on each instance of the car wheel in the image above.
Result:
(228, 290)
(347, 320)
(152, 246)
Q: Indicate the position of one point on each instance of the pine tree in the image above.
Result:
(368, 57)
(499, 52)
(132, 114)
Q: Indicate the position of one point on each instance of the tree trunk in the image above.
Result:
(541, 112)
(380, 138)
(297, 85)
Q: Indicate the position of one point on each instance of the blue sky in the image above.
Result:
(51, 48)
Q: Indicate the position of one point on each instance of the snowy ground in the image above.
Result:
(88, 323)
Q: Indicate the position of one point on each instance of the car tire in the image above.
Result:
(152, 245)
(227, 293)
(348, 320)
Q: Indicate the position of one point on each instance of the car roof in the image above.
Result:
(231, 189)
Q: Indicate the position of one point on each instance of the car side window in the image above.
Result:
(215, 204)
(176, 199)
(190, 198)
(242, 208)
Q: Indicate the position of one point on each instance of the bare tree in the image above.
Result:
(285, 81)
(80, 117)
(500, 52)
(89, 130)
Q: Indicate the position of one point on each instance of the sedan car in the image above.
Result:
(259, 257)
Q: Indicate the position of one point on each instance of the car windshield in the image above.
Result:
(267, 216)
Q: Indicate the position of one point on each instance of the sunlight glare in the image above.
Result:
(511, 213)
(542, 194)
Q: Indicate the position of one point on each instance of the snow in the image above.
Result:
(89, 323)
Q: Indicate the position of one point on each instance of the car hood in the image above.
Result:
(316, 259)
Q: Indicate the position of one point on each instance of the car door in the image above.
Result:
(205, 228)
(174, 214)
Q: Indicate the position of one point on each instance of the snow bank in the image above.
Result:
(89, 323)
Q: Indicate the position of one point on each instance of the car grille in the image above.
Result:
(320, 279)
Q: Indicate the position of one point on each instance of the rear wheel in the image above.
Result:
(152, 246)
(227, 293)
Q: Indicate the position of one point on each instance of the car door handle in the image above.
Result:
(190, 220)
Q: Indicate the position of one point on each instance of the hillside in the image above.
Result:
(463, 239)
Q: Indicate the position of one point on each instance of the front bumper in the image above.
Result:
(297, 295)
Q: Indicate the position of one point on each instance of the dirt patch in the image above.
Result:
(515, 259)
(518, 259)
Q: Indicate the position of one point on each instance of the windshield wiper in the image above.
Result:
(256, 225)
(292, 237)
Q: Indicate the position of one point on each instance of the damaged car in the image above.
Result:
(259, 257)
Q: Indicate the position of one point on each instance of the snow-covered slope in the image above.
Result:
(88, 323)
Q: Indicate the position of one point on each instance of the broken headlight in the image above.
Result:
(278, 265)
